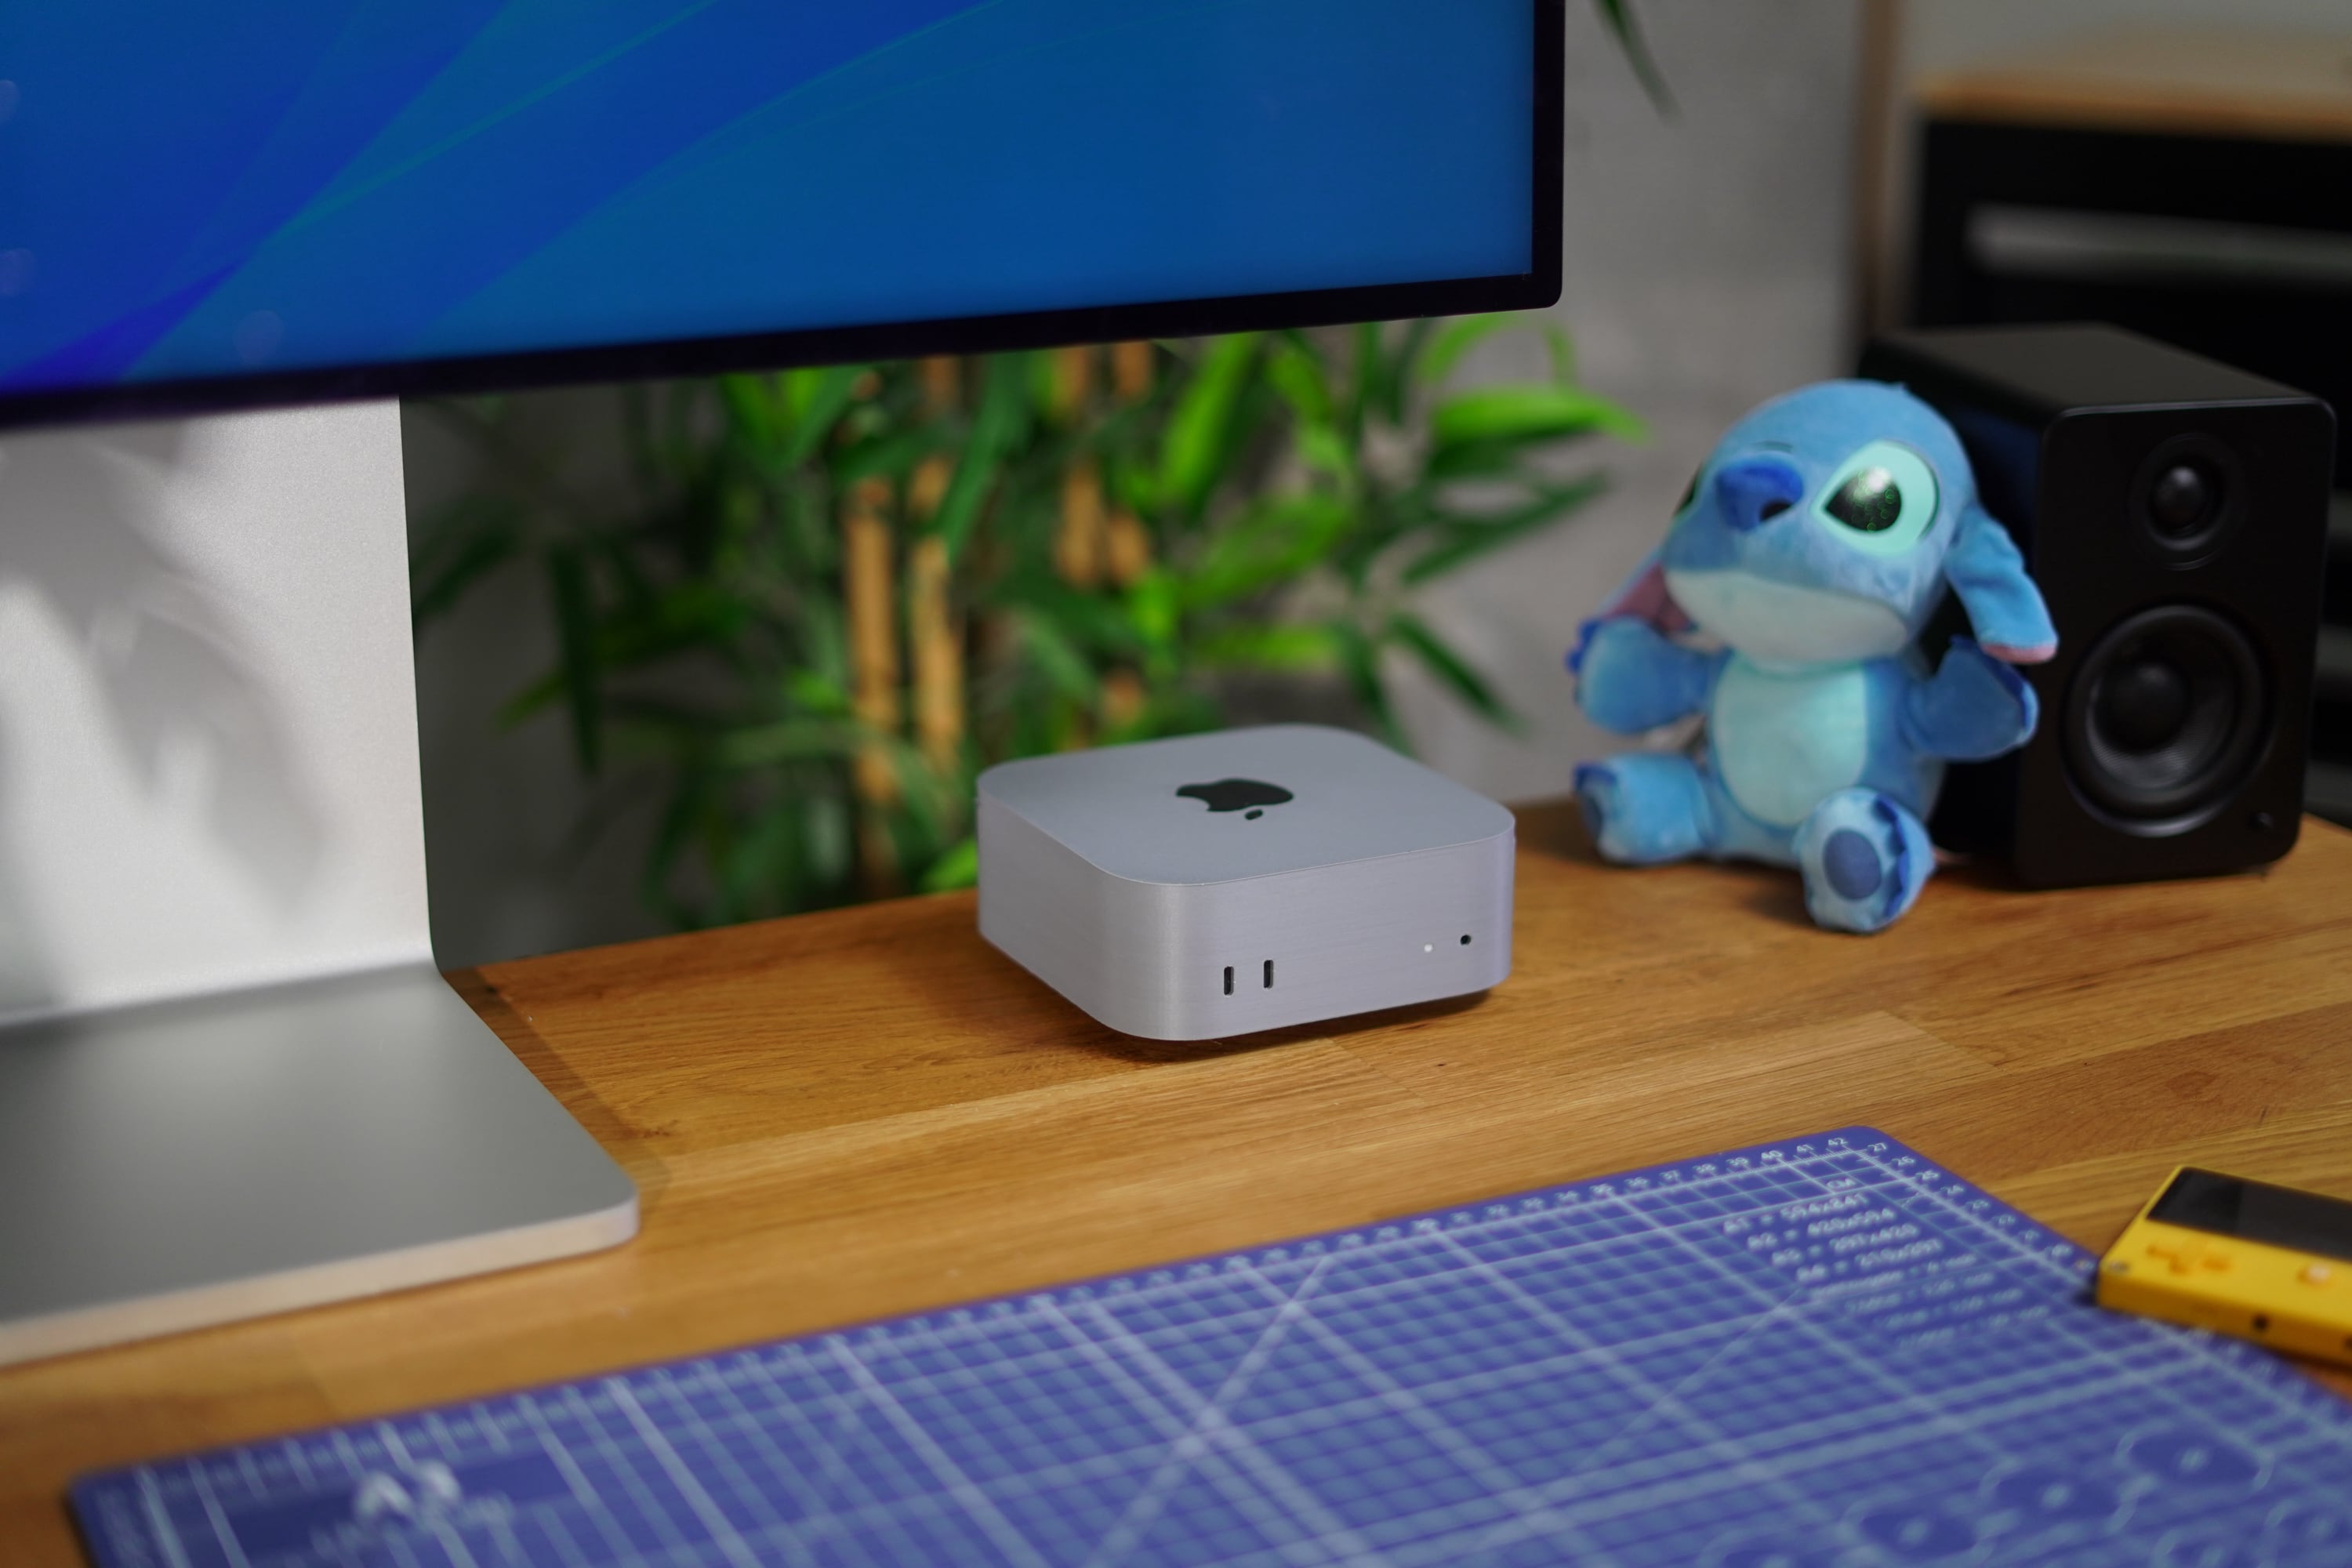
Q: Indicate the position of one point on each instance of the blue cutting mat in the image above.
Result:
(1820, 1352)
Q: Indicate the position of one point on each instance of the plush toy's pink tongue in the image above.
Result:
(2041, 653)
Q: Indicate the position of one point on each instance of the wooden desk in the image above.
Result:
(855, 1115)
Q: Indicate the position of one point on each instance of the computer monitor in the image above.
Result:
(230, 1078)
(258, 201)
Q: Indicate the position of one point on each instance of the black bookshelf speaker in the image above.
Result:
(2174, 512)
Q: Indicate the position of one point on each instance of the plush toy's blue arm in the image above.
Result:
(1975, 707)
(1630, 677)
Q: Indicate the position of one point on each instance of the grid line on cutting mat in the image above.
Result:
(1822, 1351)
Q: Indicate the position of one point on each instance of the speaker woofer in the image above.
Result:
(2165, 717)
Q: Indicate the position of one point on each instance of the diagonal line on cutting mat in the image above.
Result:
(714, 1523)
(593, 1430)
(583, 1490)
(1733, 1456)
(1472, 1458)
(732, 1467)
(976, 1504)
(1209, 1423)
(1171, 1423)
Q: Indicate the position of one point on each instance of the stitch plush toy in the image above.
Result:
(1812, 546)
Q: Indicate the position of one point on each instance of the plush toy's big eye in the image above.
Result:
(1881, 500)
(1871, 501)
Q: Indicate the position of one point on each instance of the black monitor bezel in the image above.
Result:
(1532, 290)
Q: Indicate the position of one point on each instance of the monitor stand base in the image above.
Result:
(231, 1080)
(189, 1163)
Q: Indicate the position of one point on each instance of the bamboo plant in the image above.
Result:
(825, 599)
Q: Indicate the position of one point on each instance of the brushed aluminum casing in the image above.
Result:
(1133, 901)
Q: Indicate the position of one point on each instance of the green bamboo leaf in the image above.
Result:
(1491, 414)
(957, 866)
(758, 859)
(1360, 660)
(793, 740)
(1296, 372)
(1626, 28)
(1452, 670)
(892, 455)
(1272, 543)
(1057, 658)
(818, 399)
(1372, 370)
(688, 804)
(1463, 541)
(547, 689)
(1325, 451)
(1199, 435)
(1562, 349)
(654, 724)
(1281, 648)
(1392, 373)
(1505, 460)
(815, 692)
(998, 425)
(1443, 353)
(575, 630)
(1104, 625)
(751, 402)
(482, 534)
(1155, 609)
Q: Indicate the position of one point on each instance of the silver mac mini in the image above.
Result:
(1246, 880)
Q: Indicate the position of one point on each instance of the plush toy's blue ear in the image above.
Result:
(1984, 568)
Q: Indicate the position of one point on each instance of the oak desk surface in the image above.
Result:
(855, 1115)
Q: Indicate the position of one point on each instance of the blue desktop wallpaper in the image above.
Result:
(205, 187)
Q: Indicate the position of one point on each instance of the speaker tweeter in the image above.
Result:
(2188, 496)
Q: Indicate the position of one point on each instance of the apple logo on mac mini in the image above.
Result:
(1237, 795)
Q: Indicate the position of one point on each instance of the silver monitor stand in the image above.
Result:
(231, 1080)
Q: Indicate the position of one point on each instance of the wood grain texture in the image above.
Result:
(851, 1115)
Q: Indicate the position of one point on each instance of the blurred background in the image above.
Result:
(701, 652)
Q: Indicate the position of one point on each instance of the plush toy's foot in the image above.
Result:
(1865, 860)
(1646, 808)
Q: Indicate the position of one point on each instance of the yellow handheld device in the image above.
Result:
(2268, 1264)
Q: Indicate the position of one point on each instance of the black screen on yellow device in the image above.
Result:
(2256, 1211)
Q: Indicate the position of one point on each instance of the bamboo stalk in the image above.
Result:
(1123, 699)
(938, 644)
(1131, 372)
(1078, 544)
(943, 382)
(1126, 548)
(870, 599)
(1074, 383)
(932, 632)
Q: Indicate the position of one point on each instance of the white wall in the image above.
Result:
(1707, 268)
